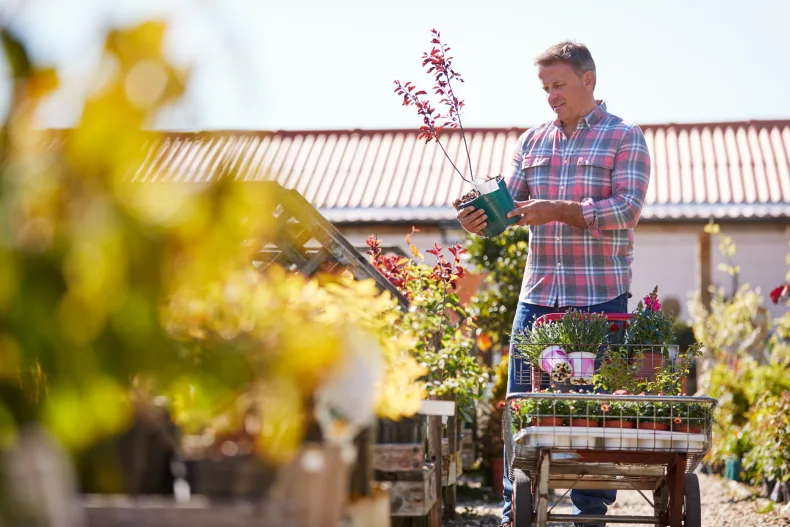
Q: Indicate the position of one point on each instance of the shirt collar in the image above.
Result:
(592, 118)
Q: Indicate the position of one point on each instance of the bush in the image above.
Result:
(769, 455)
(502, 259)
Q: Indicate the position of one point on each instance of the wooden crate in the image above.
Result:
(413, 493)
(372, 510)
(397, 457)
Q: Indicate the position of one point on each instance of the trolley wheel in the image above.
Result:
(522, 499)
(692, 509)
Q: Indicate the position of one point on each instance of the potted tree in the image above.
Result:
(489, 194)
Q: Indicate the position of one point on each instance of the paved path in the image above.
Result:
(724, 504)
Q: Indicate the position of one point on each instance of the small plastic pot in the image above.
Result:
(686, 428)
(616, 422)
(649, 365)
(583, 421)
(653, 425)
(496, 205)
(547, 421)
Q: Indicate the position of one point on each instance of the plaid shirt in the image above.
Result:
(605, 166)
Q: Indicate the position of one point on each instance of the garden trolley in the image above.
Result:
(646, 443)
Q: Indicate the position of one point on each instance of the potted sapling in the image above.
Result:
(489, 193)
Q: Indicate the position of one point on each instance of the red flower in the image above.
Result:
(605, 408)
(778, 292)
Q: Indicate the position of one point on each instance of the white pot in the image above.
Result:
(554, 361)
(583, 364)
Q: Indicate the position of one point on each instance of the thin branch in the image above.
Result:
(454, 105)
(451, 161)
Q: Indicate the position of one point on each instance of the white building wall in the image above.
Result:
(666, 255)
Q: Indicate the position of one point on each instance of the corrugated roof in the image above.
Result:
(725, 170)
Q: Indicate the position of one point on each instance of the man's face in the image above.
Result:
(567, 93)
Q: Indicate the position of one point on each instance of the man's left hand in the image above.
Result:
(534, 212)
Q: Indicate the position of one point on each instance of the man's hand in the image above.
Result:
(534, 212)
(471, 219)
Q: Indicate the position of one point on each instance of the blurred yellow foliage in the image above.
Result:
(111, 290)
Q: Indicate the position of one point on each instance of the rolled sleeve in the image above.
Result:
(630, 179)
(591, 218)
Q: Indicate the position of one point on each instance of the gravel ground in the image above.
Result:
(724, 503)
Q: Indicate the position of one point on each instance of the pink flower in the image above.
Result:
(652, 303)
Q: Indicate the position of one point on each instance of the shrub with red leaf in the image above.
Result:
(437, 63)
(443, 328)
(393, 267)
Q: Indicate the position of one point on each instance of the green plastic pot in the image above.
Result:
(732, 468)
(496, 206)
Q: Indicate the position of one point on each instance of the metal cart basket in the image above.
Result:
(647, 443)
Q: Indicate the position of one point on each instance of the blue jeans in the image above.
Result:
(584, 501)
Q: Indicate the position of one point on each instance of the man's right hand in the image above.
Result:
(471, 219)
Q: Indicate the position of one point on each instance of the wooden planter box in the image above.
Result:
(373, 510)
(396, 457)
(310, 491)
(399, 459)
(414, 492)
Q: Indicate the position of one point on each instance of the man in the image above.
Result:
(579, 183)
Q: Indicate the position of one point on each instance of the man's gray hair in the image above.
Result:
(577, 56)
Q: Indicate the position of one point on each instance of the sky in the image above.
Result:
(317, 64)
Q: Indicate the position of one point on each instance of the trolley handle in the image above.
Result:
(553, 317)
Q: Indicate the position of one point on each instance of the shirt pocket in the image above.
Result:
(536, 173)
(596, 177)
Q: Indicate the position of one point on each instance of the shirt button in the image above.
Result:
(567, 161)
(559, 264)
(562, 187)
(558, 239)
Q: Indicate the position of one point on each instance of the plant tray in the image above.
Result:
(573, 437)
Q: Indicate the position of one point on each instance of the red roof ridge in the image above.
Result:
(747, 123)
